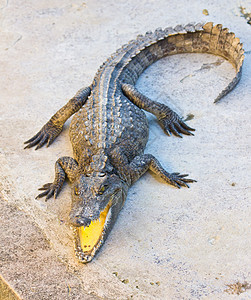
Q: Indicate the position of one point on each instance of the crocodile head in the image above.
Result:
(96, 203)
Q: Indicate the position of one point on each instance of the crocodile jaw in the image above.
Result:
(89, 239)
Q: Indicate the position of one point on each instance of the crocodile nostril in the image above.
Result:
(81, 221)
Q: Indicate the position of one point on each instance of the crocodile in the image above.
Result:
(109, 129)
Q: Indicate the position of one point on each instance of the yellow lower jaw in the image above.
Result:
(89, 236)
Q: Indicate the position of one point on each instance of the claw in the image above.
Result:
(33, 138)
(50, 194)
(48, 133)
(189, 180)
(42, 194)
(182, 183)
(182, 130)
(50, 140)
(174, 183)
(176, 173)
(184, 125)
(55, 194)
(45, 186)
(42, 142)
(174, 131)
(42, 189)
(167, 131)
(50, 189)
(176, 179)
(172, 123)
(182, 175)
(33, 143)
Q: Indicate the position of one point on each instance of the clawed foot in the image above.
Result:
(47, 134)
(50, 189)
(172, 123)
(178, 180)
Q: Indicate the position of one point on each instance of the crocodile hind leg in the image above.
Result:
(54, 126)
(64, 166)
(168, 119)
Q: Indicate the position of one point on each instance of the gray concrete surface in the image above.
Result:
(167, 243)
(28, 262)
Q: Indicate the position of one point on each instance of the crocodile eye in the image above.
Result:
(76, 192)
(102, 189)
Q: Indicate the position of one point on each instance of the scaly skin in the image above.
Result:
(109, 130)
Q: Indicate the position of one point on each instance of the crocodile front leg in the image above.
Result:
(64, 166)
(141, 164)
(131, 172)
(54, 126)
(168, 119)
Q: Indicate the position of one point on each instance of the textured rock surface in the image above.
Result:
(167, 243)
(28, 262)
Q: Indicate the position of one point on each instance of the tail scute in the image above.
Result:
(190, 38)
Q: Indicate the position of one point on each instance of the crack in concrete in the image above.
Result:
(15, 42)
(203, 68)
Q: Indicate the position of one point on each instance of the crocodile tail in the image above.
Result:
(191, 38)
(225, 44)
(209, 39)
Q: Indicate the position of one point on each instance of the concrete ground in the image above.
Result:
(167, 243)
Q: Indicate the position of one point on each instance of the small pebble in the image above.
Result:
(205, 12)
(125, 281)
